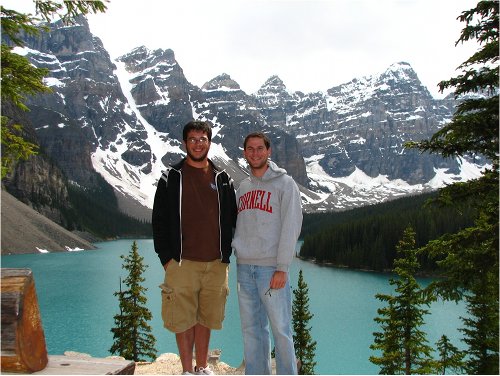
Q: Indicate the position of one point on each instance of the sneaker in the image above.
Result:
(187, 373)
(203, 371)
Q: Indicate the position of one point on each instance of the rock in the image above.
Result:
(79, 355)
(170, 364)
(168, 358)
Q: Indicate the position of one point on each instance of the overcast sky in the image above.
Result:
(312, 45)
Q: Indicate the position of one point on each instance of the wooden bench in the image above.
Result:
(23, 348)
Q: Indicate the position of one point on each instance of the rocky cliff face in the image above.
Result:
(86, 109)
(124, 120)
(363, 124)
(159, 89)
(37, 182)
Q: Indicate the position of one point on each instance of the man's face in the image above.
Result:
(256, 153)
(197, 145)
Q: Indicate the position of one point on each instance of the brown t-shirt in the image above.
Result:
(200, 214)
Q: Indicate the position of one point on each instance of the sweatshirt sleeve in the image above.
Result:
(291, 224)
(233, 204)
(160, 222)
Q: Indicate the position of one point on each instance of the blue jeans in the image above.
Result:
(260, 307)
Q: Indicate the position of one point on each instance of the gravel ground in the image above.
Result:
(170, 364)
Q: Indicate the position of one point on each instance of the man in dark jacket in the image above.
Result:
(194, 214)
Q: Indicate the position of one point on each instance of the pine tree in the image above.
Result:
(388, 340)
(132, 334)
(469, 258)
(481, 328)
(403, 345)
(450, 358)
(305, 347)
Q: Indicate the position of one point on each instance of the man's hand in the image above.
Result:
(278, 280)
(165, 266)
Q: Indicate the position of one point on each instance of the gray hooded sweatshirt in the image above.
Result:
(269, 219)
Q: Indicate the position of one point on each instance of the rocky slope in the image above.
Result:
(25, 230)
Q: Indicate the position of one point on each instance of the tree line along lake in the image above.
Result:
(75, 293)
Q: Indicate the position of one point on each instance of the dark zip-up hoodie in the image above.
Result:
(166, 219)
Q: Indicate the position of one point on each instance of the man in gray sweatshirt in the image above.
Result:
(267, 228)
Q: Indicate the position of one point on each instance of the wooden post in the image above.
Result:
(23, 347)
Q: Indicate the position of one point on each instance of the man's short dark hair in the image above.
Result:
(261, 135)
(197, 125)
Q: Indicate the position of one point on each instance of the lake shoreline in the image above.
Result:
(421, 274)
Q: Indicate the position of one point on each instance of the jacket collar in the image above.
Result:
(178, 165)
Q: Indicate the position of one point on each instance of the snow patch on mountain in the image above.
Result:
(126, 178)
(468, 171)
(359, 188)
(217, 151)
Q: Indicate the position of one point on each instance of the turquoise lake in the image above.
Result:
(75, 294)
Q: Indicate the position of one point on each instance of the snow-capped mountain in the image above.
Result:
(124, 119)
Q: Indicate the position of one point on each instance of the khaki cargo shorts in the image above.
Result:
(194, 292)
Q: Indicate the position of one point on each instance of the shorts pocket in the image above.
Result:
(167, 306)
(222, 304)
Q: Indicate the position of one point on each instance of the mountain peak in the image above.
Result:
(222, 82)
(78, 20)
(273, 83)
(401, 70)
(402, 76)
(397, 78)
(400, 65)
(144, 53)
(273, 86)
